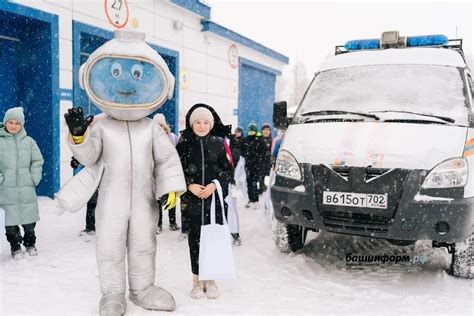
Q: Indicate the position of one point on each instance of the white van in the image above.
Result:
(382, 145)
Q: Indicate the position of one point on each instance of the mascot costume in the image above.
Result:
(132, 162)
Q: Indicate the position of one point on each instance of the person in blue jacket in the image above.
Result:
(21, 167)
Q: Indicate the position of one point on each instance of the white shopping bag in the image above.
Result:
(268, 212)
(241, 178)
(232, 215)
(216, 261)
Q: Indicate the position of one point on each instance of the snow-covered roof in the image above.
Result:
(419, 56)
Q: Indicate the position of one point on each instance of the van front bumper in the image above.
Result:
(413, 218)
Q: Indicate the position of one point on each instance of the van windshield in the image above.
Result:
(425, 89)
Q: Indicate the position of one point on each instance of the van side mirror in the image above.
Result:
(280, 118)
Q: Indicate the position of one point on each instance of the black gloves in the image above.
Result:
(74, 163)
(76, 122)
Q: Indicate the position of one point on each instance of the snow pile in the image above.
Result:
(316, 280)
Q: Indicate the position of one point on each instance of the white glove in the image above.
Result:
(58, 210)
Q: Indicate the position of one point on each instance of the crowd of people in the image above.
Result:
(204, 154)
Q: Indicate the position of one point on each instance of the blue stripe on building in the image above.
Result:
(261, 67)
(194, 6)
(209, 26)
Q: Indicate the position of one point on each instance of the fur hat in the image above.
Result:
(201, 113)
(14, 114)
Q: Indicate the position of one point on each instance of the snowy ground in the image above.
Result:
(63, 278)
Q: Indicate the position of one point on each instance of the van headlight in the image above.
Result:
(287, 166)
(448, 174)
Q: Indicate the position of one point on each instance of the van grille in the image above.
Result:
(356, 218)
(370, 173)
(364, 180)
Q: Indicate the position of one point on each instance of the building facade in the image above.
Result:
(43, 44)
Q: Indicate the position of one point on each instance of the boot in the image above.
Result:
(211, 290)
(32, 251)
(154, 298)
(159, 229)
(112, 305)
(236, 239)
(174, 227)
(197, 291)
(182, 236)
(17, 254)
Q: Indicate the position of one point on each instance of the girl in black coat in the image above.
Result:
(204, 159)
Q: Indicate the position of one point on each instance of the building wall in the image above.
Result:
(203, 56)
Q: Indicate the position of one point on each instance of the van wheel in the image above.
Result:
(287, 237)
(462, 264)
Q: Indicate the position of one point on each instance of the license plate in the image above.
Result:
(355, 199)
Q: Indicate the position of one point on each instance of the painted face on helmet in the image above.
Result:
(125, 81)
(126, 78)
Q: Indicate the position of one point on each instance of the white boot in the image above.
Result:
(197, 292)
(32, 251)
(154, 298)
(112, 305)
(211, 290)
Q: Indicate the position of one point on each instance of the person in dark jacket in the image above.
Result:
(276, 145)
(236, 144)
(254, 153)
(203, 157)
(267, 159)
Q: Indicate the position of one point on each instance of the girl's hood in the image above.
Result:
(219, 128)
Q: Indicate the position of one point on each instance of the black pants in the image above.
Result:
(15, 239)
(261, 184)
(171, 214)
(253, 177)
(172, 217)
(194, 236)
(90, 214)
(185, 222)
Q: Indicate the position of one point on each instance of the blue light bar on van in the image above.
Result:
(411, 41)
(427, 40)
(362, 44)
